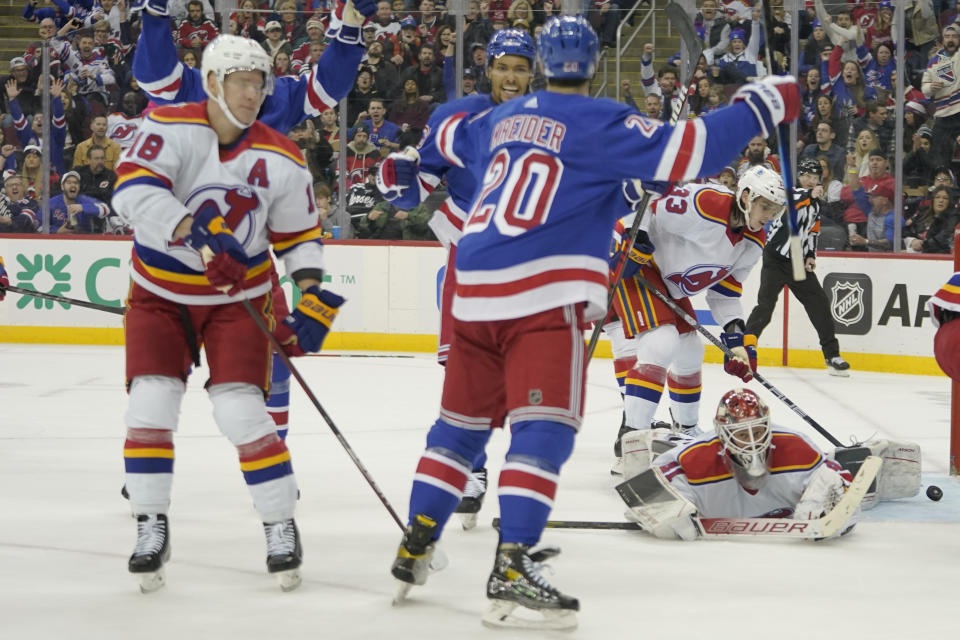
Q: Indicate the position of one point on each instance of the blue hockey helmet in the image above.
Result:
(511, 42)
(568, 48)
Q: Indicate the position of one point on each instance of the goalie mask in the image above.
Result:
(743, 427)
(227, 54)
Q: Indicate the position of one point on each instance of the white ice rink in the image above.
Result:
(65, 532)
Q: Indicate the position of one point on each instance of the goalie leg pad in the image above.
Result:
(899, 476)
(641, 446)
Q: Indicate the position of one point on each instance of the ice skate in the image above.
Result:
(284, 553)
(837, 366)
(473, 494)
(516, 582)
(413, 562)
(617, 468)
(151, 552)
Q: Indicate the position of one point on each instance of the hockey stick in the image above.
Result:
(679, 18)
(786, 168)
(727, 352)
(826, 526)
(278, 348)
(62, 300)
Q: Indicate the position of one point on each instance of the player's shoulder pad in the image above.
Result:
(702, 462)
(189, 113)
(264, 138)
(791, 452)
(469, 105)
(712, 202)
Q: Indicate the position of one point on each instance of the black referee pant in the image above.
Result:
(775, 273)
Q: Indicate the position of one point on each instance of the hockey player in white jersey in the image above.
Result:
(694, 238)
(746, 469)
(208, 189)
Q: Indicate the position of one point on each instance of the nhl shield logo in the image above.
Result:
(847, 307)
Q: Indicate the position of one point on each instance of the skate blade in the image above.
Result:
(504, 614)
(151, 581)
(438, 561)
(468, 520)
(403, 588)
(837, 373)
(289, 579)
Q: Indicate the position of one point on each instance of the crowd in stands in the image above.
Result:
(846, 66)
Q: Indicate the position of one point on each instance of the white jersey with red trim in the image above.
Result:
(122, 128)
(695, 248)
(700, 471)
(260, 184)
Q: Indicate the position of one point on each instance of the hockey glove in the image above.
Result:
(640, 254)
(397, 173)
(744, 348)
(773, 100)
(633, 191)
(225, 261)
(153, 7)
(4, 283)
(347, 18)
(312, 317)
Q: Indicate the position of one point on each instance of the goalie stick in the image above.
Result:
(726, 351)
(826, 526)
(62, 300)
(786, 167)
(694, 46)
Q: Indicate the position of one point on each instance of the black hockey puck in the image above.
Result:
(934, 492)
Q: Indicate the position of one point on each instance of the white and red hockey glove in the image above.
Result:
(398, 172)
(347, 18)
(773, 100)
(744, 360)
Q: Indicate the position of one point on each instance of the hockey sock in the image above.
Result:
(621, 367)
(442, 471)
(480, 462)
(278, 404)
(644, 387)
(528, 479)
(268, 472)
(148, 460)
(685, 397)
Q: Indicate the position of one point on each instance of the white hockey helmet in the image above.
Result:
(761, 181)
(742, 423)
(226, 54)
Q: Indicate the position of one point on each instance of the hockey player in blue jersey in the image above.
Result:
(531, 270)
(510, 59)
(167, 80)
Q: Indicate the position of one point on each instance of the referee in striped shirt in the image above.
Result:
(777, 272)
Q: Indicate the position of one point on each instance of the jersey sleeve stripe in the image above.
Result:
(281, 151)
(727, 288)
(317, 100)
(445, 137)
(283, 242)
(165, 88)
(128, 177)
(163, 119)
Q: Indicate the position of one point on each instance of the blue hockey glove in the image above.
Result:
(633, 190)
(398, 172)
(4, 283)
(640, 254)
(224, 259)
(744, 348)
(154, 7)
(313, 316)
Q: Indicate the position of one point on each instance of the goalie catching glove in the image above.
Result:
(224, 259)
(744, 348)
(773, 100)
(397, 173)
(310, 321)
(347, 18)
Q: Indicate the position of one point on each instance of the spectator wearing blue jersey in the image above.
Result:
(383, 133)
(73, 212)
(29, 131)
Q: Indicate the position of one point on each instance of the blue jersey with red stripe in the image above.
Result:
(169, 81)
(538, 231)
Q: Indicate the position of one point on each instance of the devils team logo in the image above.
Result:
(238, 206)
(698, 278)
(850, 298)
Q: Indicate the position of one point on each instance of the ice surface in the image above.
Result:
(65, 532)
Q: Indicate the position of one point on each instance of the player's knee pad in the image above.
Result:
(657, 346)
(688, 356)
(154, 402)
(542, 444)
(465, 444)
(240, 412)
